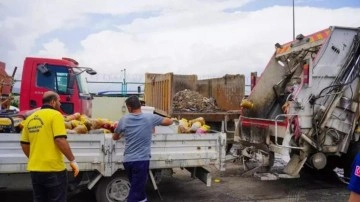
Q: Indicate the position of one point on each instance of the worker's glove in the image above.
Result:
(75, 167)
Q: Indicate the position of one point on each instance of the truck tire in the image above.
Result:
(113, 189)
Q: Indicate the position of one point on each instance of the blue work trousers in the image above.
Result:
(137, 172)
(49, 186)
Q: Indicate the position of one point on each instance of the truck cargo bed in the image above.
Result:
(99, 152)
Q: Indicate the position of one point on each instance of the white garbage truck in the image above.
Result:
(306, 104)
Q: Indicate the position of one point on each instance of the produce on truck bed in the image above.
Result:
(74, 124)
(193, 126)
(81, 124)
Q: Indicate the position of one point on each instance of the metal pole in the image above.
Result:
(123, 87)
(124, 75)
(125, 84)
(293, 19)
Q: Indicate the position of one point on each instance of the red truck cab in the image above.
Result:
(62, 76)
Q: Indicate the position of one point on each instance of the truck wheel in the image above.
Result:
(113, 189)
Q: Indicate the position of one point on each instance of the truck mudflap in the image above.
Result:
(200, 173)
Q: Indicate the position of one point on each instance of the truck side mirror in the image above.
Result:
(91, 71)
(42, 68)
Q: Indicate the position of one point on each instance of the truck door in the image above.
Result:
(81, 92)
(55, 78)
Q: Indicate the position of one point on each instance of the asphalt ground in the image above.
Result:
(229, 186)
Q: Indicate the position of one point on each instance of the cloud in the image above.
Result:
(184, 37)
(205, 43)
(54, 48)
(24, 22)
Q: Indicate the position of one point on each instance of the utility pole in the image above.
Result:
(124, 85)
(124, 78)
(293, 1)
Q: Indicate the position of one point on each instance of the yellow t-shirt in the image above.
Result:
(40, 130)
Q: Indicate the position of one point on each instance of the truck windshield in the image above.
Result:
(82, 85)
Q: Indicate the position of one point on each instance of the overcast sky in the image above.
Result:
(205, 37)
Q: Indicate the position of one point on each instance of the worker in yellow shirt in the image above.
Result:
(43, 140)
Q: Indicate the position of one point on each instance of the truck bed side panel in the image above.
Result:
(12, 158)
(180, 150)
(100, 152)
(87, 150)
(228, 91)
(161, 88)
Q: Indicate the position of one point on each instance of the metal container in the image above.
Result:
(228, 91)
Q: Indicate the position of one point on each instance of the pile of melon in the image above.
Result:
(81, 124)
